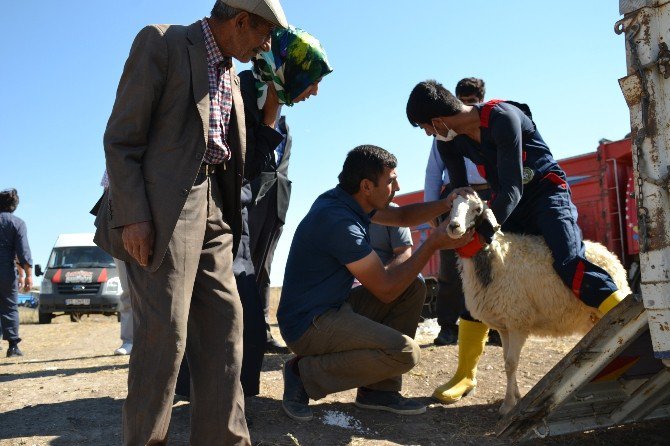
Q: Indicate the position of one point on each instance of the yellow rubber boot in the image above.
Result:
(471, 340)
(611, 301)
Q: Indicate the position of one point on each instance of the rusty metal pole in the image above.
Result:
(646, 27)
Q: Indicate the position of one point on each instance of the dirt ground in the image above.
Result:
(68, 389)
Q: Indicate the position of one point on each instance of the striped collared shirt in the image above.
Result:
(220, 100)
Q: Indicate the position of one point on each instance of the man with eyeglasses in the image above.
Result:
(174, 147)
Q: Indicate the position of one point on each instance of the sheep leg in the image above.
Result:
(504, 337)
(515, 342)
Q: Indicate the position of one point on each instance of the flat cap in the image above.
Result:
(270, 10)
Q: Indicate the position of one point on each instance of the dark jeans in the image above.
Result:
(9, 305)
(547, 210)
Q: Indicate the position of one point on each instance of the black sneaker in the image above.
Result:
(388, 401)
(448, 335)
(295, 400)
(13, 351)
(494, 338)
(273, 346)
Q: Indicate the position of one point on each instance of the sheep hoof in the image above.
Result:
(505, 409)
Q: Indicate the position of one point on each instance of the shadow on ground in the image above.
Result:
(6, 377)
(82, 422)
(88, 421)
(338, 423)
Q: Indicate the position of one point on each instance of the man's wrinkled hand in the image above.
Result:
(138, 240)
(271, 107)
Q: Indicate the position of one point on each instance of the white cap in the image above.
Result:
(270, 10)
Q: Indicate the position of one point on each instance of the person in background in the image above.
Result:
(125, 311)
(450, 299)
(393, 245)
(175, 153)
(279, 77)
(125, 305)
(13, 246)
(361, 338)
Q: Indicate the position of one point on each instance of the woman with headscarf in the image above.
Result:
(287, 74)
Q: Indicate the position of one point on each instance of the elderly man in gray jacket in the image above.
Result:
(174, 147)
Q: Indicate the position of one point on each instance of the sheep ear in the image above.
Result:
(491, 218)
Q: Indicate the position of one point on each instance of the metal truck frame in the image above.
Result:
(620, 371)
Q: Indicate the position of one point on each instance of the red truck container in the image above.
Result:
(602, 189)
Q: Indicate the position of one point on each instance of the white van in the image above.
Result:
(80, 278)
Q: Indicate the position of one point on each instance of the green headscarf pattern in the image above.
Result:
(295, 61)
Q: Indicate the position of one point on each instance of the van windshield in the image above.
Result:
(80, 257)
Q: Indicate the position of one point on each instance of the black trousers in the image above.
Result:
(9, 304)
(265, 228)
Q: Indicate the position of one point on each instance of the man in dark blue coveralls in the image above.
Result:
(530, 196)
(13, 245)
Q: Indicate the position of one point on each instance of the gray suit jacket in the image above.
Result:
(156, 139)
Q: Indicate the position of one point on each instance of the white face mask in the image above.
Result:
(451, 135)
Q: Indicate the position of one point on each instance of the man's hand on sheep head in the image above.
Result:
(449, 200)
(443, 240)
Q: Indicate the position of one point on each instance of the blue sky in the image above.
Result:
(61, 62)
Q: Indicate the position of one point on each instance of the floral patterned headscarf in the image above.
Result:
(295, 61)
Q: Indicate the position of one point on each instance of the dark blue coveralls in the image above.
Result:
(13, 245)
(531, 194)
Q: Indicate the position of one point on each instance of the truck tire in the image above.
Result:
(429, 310)
(45, 318)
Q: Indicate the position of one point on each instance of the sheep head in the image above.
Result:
(469, 212)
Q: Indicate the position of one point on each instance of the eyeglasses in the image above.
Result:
(261, 29)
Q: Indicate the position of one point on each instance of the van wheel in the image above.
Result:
(75, 317)
(45, 318)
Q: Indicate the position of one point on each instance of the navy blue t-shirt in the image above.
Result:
(333, 234)
(13, 241)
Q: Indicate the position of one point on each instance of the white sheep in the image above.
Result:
(511, 286)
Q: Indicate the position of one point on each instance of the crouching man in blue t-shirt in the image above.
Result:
(344, 339)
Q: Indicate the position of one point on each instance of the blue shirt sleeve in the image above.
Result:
(346, 240)
(21, 243)
(435, 170)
